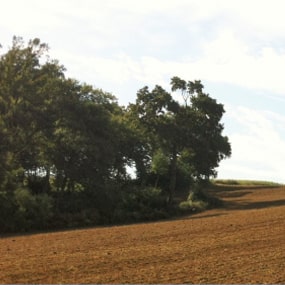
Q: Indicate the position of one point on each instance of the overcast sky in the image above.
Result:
(236, 47)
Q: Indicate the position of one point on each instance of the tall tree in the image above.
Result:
(156, 112)
(189, 132)
(20, 82)
(206, 144)
(53, 125)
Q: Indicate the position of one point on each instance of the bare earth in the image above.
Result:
(244, 242)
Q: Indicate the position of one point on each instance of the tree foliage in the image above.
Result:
(190, 133)
(66, 147)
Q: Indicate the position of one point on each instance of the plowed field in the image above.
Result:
(244, 242)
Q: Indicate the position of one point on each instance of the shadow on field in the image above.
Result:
(194, 217)
(253, 205)
(206, 216)
(234, 194)
(232, 188)
(239, 191)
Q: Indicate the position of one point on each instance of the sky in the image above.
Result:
(235, 47)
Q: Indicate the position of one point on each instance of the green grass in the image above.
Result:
(244, 182)
(194, 206)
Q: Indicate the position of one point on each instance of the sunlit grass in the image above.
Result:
(244, 182)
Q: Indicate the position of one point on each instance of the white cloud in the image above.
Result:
(117, 43)
(226, 59)
(257, 147)
(264, 17)
(81, 31)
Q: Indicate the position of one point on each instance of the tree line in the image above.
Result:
(66, 148)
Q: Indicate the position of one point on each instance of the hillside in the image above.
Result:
(243, 242)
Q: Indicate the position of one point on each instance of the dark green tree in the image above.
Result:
(21, 120)
(155, 111)
(188, 134)
(203, 133)
(67, 146)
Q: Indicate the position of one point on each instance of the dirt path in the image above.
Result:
(241, 243)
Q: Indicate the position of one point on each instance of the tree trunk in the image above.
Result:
(156, 181)
(47, 180)
(173, 172)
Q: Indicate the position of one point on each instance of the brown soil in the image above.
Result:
(244, 242)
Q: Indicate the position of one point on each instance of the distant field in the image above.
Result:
(243, 242)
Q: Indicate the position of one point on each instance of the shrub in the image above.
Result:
(7, 212)
(33, 211)
(139, 204)
(193, 205)
(199, 200)
(85, 217)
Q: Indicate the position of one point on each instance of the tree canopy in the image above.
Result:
(68, 146)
